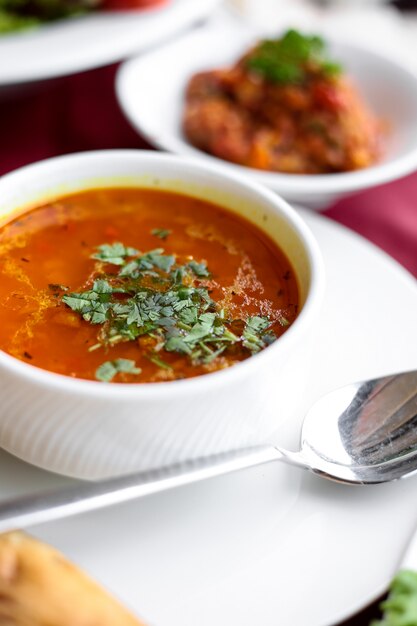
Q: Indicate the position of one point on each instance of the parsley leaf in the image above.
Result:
(108, 370)
(290, 58)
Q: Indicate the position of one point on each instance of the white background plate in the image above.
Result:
(228, 552)
(82, 43)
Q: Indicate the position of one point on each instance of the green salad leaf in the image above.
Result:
(400, 608)
(16, 15)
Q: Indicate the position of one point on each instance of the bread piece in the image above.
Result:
(39, 587)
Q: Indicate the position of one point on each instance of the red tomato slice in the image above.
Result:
(329, 96)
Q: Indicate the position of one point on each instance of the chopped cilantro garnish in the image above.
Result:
(148, 262)
(114, 253)
(199, 269)
(253, 332)
(108, 370)
(152, 294)
(161, 233)
(290, 58)
(154, 358)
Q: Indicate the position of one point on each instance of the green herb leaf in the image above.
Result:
(108, 370)
(11, 21)
(158, 361)
(148, 262)
(115, 253)
(161, 233)
(330, 68)
(163, 262)
(290, 58)
(257, 324)
(199, 269)
(201, 329)
(89, 305)
(400, 608)
(253, 333)
(188, 314)
(102, 286)
(150, 294)
(177, 344)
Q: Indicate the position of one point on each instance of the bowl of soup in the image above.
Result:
(152, 310)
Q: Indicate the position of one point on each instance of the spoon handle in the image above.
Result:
(87, 496)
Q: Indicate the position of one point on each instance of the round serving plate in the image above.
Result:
(81, 43)
(229, 551)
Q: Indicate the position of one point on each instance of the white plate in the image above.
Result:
(228, 552)
(151, 90)
(82, 43)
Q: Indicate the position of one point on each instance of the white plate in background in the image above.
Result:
(227, 551)
(93, 40)
(151, 89)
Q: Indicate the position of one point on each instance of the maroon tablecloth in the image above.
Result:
(81, 113)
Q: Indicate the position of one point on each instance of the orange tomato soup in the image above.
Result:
(134, 285)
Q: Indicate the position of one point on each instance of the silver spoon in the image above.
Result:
(363, 433)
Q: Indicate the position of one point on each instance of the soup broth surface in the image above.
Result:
(57, 313)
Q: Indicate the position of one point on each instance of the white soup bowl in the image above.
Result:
(91, 430)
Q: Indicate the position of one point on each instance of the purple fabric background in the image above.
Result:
(81, 113)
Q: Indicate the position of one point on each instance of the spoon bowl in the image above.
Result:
(363, 433)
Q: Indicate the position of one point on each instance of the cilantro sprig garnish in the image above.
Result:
(151, 294)
(108, 370)
(255, 336)
(289, 59)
